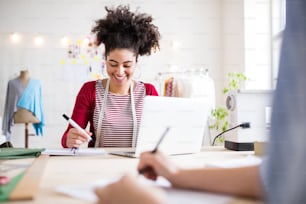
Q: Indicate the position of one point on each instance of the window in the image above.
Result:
(263, 22)
(278, 26)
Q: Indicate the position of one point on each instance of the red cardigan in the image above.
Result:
(85, 105)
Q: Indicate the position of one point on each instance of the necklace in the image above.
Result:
(101, 114)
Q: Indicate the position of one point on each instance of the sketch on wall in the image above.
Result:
(83, 61)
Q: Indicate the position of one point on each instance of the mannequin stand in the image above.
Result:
(26, 135)
(26, 117)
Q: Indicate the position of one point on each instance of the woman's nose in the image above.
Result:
(121, 70)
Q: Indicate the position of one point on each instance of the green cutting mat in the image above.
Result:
(6, 189)
(19, 153)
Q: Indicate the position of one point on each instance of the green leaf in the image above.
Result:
(220, 114)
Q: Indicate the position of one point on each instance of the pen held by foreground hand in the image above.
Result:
(148, 168)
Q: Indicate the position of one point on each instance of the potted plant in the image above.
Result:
(219, 116)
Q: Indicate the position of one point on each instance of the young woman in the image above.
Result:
(113, 106)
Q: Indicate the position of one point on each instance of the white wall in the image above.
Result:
(205, 29)
(232, 35)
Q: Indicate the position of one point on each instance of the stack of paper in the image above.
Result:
(174, 195)
(234, 163)
(77, 152)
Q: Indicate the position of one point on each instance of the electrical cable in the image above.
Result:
(242, 125)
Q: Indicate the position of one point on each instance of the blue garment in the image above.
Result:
(286, 166)
(31, 99)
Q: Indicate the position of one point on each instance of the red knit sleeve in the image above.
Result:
(150, 90)
(83, 108)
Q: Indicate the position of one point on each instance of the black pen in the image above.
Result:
(148, 168)
(75, 125)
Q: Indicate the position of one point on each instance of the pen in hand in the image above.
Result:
(75, 125)
(148, 168)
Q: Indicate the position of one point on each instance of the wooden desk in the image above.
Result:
(69, 170)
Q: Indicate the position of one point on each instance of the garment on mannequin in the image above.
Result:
(23, 104)
(23, 115)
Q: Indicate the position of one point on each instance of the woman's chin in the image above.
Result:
(120, 81)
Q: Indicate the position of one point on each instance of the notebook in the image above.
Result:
(77, 152)
(186, 117)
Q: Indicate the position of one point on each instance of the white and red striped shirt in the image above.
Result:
(117, 123)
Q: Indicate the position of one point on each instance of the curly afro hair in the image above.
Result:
(124, 29)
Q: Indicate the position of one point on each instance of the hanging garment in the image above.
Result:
(168, 87)
(182, 87)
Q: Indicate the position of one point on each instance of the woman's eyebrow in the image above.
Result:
(128, 61)
(112, 60)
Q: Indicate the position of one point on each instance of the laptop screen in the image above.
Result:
(186, 117)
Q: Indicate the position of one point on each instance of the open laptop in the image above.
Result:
(186, 118)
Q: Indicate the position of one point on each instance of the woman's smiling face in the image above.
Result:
(120, 66)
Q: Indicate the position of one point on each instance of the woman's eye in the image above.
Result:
(117, 65)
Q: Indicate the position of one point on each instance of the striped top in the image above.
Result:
(85, 105)
(117, 123)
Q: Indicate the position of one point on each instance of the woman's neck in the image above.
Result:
(120, 90)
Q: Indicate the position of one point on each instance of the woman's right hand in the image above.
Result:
(129, 190)
(75, 138)
(158, 165)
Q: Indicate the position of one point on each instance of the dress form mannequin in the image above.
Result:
(24, 77)
(23, 115)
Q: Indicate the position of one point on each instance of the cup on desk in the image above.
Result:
(260, 148)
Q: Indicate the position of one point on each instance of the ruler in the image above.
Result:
(28, 186)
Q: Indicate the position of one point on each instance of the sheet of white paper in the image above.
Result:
(78, 152)
(174, 196)
(232, 163)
